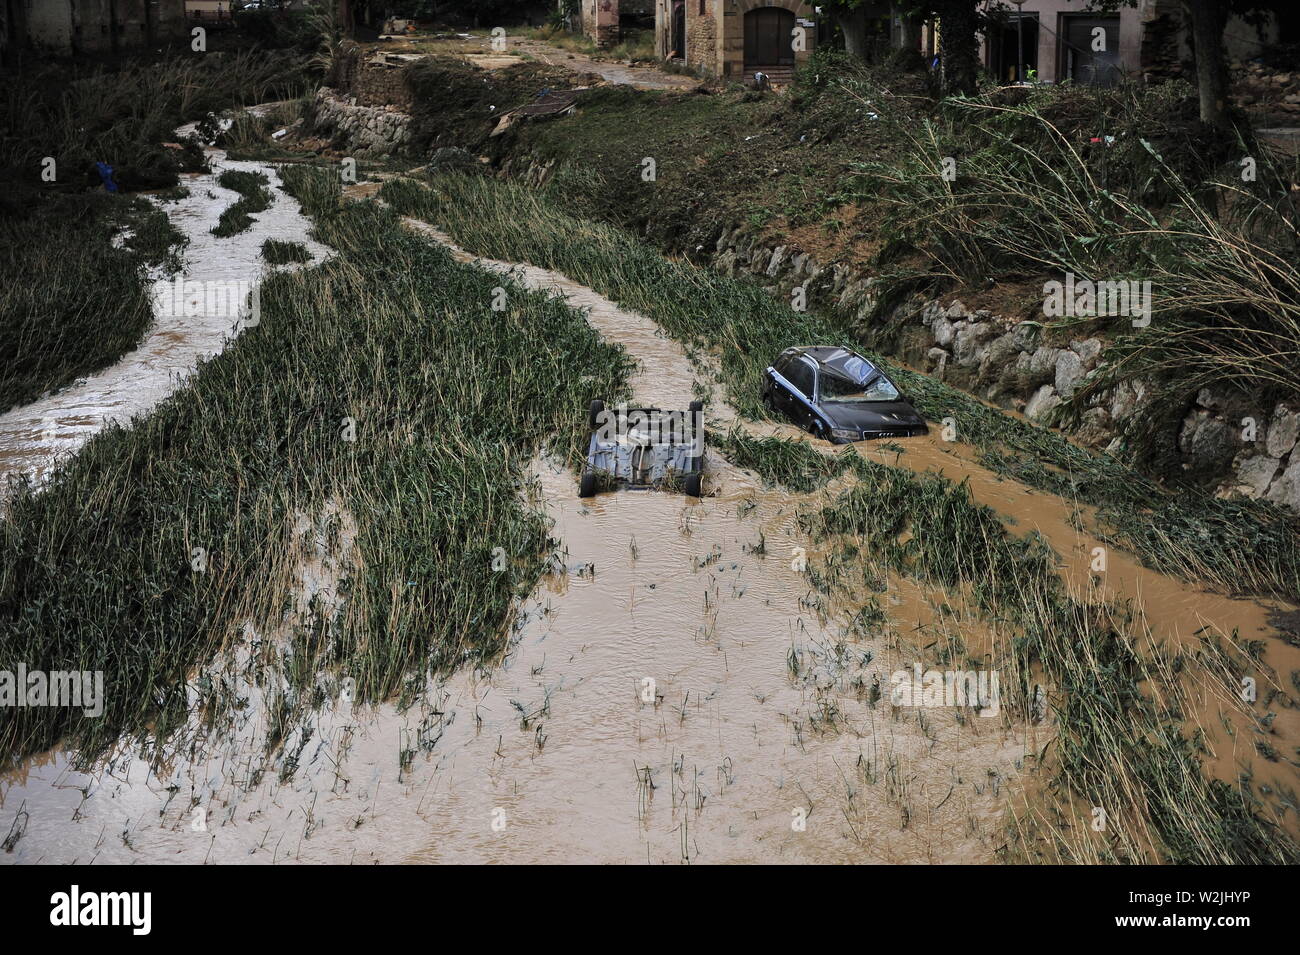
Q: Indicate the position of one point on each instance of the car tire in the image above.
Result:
(593, 412)
(587, 486)
(692, 484)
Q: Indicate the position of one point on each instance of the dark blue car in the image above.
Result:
(836, 394)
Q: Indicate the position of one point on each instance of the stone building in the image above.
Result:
(735, 38)
(88, 26)
(600, 21)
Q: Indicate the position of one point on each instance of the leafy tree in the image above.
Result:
(851, 17)
(959, 22)
(1207, 20)
(959, 51)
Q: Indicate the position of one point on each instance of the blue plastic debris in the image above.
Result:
(106, 174)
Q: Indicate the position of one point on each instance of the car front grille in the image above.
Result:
(891, 433)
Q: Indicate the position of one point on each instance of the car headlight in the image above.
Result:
(845, 434)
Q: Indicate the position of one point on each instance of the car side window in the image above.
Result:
(800, 374)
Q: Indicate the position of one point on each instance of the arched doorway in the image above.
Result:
(679, 30)
(768, 41)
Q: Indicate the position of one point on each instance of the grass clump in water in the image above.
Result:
(279, 252)
(254, 197)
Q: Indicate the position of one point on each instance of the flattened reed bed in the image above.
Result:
(73, 300)
(391, 343)
(1121, 739)
(78, 302)
(1237, 545)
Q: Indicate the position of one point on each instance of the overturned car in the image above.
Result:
(643, 448)
(838, 395)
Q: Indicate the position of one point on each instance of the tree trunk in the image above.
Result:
(959, 50)
(1209, 17)
(909, 34)
(854, 24)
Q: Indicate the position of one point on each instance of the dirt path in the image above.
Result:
(641, 77)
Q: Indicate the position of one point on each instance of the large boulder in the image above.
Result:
(1094, 429)
(777, 262)
(1069, 372)
(1042, 365)
(1127, 398)
(1255, 474)
(1283, 431)
(1000, 352)
(1041, 403)
(944, 331)
(1027, 335)
(1286, 489)
(1088, 350)
(1208, 442)
(965, 347)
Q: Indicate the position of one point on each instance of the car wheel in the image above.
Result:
(587, 487)
(692, 484)
(593, 412)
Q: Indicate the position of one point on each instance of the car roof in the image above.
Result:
(842, 361)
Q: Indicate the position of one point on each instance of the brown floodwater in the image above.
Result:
(1172, 613)
(673, 691)
(564, 749)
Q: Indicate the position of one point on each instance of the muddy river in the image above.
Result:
(670, 693)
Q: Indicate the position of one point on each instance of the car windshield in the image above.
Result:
(839, 388)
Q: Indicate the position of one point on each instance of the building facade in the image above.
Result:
(735, 38)
(600, 21)
(1060, 40)
(88, 26)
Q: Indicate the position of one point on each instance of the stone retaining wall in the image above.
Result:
(368, 131)
(1234, 444)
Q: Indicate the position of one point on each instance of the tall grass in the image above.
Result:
(74, 299)
(1121, 739)
(448, 400)
(1221, 254)
(83, 115)
(1237, 545)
